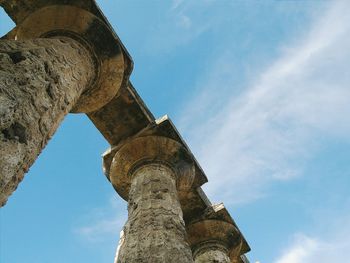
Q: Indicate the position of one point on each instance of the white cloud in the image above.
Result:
(97, 231)
(267, 132)
(182, 23)
(305, 249)
(185, 21)
(299, 252)
(176, 4)
(103, 222)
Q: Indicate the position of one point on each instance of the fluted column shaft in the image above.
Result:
(155, 231)
(40, 81)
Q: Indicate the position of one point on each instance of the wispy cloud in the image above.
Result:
(306, 249)
(176, 4)
(267, 132)
(183, 22)
(103, 222)
(302, 248)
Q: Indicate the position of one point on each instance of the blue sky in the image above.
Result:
(260, 91)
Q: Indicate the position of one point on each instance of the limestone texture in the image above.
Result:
(155, 230)
(212, 256)
(40, 82)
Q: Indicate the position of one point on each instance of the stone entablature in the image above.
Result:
(149, 164)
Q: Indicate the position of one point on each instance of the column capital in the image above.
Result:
(146, 150)
(213, 234)
(52, 19)
(216, 230)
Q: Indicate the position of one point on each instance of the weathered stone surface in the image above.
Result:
(215, 234)
(212, 254)
(77, 23)
(155, 231)
(40, 82)
(160, 178)
(18, 10)
(129, 114)
(151, 149)
(194, 201)
(150, 172)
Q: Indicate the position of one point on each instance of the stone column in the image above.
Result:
(214, 241)
(148, 172)
(40, 82)
(58, 59)
(211, 252)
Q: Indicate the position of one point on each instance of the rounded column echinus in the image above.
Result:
(58, 59)
(148, 172)
(214, 241)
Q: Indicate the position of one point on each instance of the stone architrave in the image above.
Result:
(149, 172)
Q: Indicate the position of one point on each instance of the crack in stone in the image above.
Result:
(16, 57)
(16, 132)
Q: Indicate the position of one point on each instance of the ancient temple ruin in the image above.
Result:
(63, 56)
